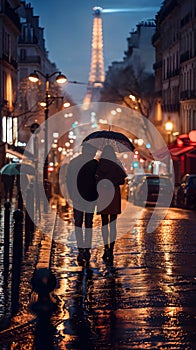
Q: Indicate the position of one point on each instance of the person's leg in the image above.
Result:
(113, 231)
(10, 194)
(6, 190)
(88, 235)
(5, 195)
(78, 221)
(104, 228)
(105, 233)
(88, 230)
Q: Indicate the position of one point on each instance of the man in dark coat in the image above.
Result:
(81, 185)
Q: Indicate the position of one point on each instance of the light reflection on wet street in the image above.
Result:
(146, 300)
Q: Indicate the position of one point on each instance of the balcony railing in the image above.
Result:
(30, 59)
(173, 73)
(188, 94)
(24, 40)
(171, 107)
(184, 56)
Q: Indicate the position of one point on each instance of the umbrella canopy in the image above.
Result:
(10, 169)
(117, 140)
(13, 169)
(25, 168)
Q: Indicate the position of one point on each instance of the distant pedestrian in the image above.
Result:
(8, 183)
(81, 185)
(110, 175)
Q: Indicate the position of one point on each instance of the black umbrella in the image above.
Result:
(99, 139)
(25, 168)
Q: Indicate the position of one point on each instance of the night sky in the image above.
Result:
(67, 31)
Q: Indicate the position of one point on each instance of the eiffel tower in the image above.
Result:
(96, 74)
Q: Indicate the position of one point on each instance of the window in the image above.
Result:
(23, 54)
(6, 44)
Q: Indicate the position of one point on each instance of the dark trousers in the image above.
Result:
(108, 228)
(83, 241)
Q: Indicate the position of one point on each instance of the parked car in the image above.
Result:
(152, 188)
(134, 181)
(186, 193)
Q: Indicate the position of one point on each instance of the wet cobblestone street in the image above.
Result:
(145, 300)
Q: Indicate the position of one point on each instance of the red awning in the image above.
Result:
(178, 151)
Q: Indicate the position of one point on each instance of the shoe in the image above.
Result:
(80, 257)
(87, 256)
(106, 254)
(110, 259)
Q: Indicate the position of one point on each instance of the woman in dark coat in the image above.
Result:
(110, 175)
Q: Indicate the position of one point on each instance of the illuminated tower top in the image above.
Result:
(96, 74)
(97, 11)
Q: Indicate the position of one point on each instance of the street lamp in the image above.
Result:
(60, 79)
(169, 128)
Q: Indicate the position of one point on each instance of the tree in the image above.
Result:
(125, 80)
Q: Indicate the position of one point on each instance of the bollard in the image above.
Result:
(43, 283)
(17, 259)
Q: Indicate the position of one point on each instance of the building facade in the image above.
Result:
(175, 80)
(139, 57)
(140, 50)
(23, 51)
(32, 56)
(175, 64)
(9, 32)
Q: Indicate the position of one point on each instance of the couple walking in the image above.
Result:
(92, 183)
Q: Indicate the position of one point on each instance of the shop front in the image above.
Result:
(183, 154)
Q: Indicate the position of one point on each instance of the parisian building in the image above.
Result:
(175, 63)
(23, 51)
(32, 56)
(140, 54)
(9, 32)
(175, 79)
(140, 48)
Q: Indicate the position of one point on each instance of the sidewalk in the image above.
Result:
(37, 256)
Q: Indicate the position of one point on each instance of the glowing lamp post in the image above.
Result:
(60, 79)
(169, 128)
